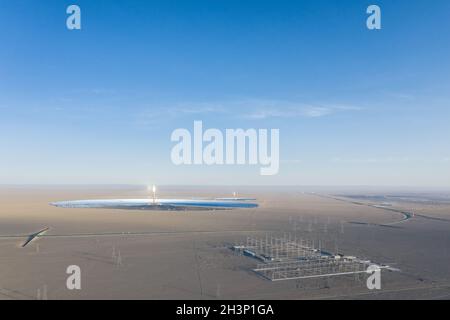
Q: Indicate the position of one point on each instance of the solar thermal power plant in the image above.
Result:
(291, 243)
(250, 152)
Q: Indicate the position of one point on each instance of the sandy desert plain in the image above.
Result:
(186, 255)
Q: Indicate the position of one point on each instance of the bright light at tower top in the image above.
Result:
(151, 188)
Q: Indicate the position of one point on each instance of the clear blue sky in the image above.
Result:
(354, 107)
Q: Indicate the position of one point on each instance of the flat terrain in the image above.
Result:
(186, 255)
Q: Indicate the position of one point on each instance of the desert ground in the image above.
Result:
(186, 255)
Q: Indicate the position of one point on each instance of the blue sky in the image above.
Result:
(98, 105)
